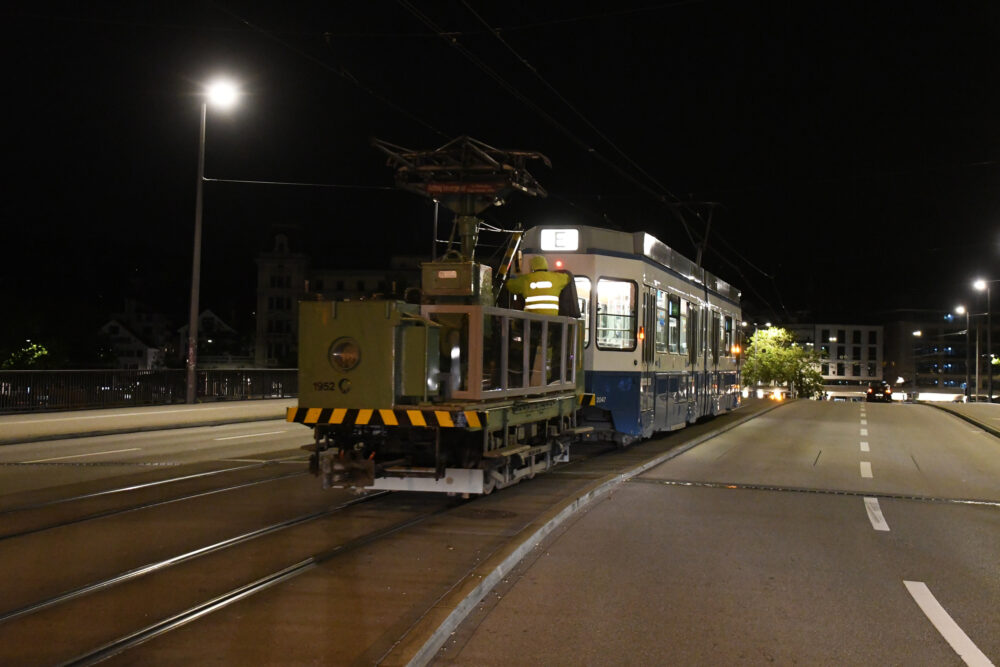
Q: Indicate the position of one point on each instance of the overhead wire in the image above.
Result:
(340, 71)
(451, 39)
(579, 114)
(453, 42)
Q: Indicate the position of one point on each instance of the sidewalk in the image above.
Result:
(984, 415)
(34, 427)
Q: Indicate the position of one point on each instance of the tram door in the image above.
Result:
(695, 363)
(647, 382)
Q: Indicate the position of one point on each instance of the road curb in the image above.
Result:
(432, 631)
(986, 427)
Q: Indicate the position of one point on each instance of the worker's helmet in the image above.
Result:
(538, 263)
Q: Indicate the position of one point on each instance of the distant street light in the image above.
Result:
(962, 310)
(981, 284)
(223, 95)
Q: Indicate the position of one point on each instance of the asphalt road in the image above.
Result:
(819, 533)
(816, 533)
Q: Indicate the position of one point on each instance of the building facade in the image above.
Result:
(285, 276)
(851, 355)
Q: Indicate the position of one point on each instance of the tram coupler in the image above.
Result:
(339, 469)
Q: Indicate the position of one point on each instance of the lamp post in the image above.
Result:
(222, 94)
(981, 285)
(962, 310)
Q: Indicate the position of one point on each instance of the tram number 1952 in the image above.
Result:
(344, 386)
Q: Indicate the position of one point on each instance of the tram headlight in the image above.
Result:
(345, 354)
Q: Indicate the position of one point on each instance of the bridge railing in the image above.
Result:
(35, 391)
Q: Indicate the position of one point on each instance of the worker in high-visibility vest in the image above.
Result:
(540, 288)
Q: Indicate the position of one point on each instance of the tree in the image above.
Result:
(773, 357)
(31, 355)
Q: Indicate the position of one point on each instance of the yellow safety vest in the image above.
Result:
(540, 290)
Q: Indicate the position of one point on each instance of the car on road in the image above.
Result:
(879, 392)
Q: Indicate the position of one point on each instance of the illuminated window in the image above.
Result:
(674, 313)
(728, 337)
(683, 346)
(583, 298)
(616, 314)
(661, 321)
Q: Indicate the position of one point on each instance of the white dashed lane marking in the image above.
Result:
(875, 514)
(866, 469)
(954, 635)
(864, 446)
(864, 431)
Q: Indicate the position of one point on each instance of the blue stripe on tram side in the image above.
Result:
(620, 393)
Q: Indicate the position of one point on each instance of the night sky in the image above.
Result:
(848, 149)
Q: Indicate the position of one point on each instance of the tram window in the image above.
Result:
(683, 333)
(616, 302)
(583, 296)
(674, 314)
(727, 338)
(661, 321)
(716, 330)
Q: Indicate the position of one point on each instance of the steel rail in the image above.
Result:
(133, 487)
(156, 566)
(259, 585)
(154, 503)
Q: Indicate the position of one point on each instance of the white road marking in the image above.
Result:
(954, 635)
(864, 446)
(866, 469)
(875, 514)
(77, 456)
(130, 414)
(251, 435)
(864, 422)
(864, 431)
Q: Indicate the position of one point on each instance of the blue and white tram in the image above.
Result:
(660, 331)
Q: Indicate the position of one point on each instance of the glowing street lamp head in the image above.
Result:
(979, 284)
(222, 94)
(960, 310)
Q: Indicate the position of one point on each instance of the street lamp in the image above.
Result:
(223, 95)
(962, 310)
(981, 285)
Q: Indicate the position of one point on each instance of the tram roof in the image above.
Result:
(596, 240)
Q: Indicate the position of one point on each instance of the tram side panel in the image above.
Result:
(681, 370)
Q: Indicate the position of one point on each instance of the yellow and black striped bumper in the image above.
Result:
(471, 419)
(586, 400)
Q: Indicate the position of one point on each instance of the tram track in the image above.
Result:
(23, 514)
(156, 566)
(235, 595)
(237, 562)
